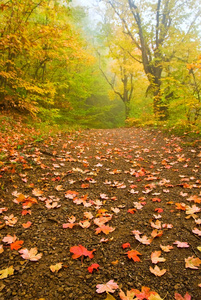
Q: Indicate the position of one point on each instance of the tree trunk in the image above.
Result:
(127, 109)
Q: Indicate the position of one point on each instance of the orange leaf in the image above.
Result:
(133, 254)
(27, 225)
(156, 233)
(80, 251)
(192, 262)
(105, 229)
(21, 198)
(132, 210)
(25, 212)
(36, 192)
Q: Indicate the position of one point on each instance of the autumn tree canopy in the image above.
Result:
(158, 29)
(144, 55)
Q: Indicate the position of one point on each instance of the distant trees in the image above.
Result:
(122, 71)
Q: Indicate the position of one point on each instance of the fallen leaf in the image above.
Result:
(156, 233)
(192, 262)
(71, 194)
(88, 215)
(144, 239)
(30, 254)
(9, 239)
(126, 245)
(84, 224)
(69, 225)
(105, 229)
(133, 254)
(110, 287)
(25, 212)
(194, 198)
(159, 210)
(52, 204)
(92, 267)
(36, 192)
(115, 262)
(181, 244)
(1, 249)
(131, 211)
(168, 226)
(129, 295)
(156, 199)
(81, 251)
(2, 209)
(179, 296)
(155, 297)
(145, 293)
(180, 206)
(10, 220)
(155, 257)
(192, 209)
(56, 268)
(166, 248)
(116, 210)
(6, 272)
(59, 188)
(27, 224)
(197, 231)
(109, 297)
(16, 245)
(156, 225)
(156, 271)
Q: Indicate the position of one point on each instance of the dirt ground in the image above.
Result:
(109, 188)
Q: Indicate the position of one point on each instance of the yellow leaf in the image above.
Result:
(1, 249)
(199, 248)
(109, 297)
(56, 268)
(155, 297)
(6, 272)
(115, 262)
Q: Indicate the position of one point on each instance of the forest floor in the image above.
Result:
(115, 194)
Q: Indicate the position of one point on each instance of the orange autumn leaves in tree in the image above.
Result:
(195, 65)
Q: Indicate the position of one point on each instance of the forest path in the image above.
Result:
(101, 189)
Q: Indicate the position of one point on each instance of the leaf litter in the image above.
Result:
(137, 187)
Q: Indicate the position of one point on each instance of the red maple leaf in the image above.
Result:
(92, 267)
(159, 210)
(81, 251)
(126, 245)
(132, 210)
